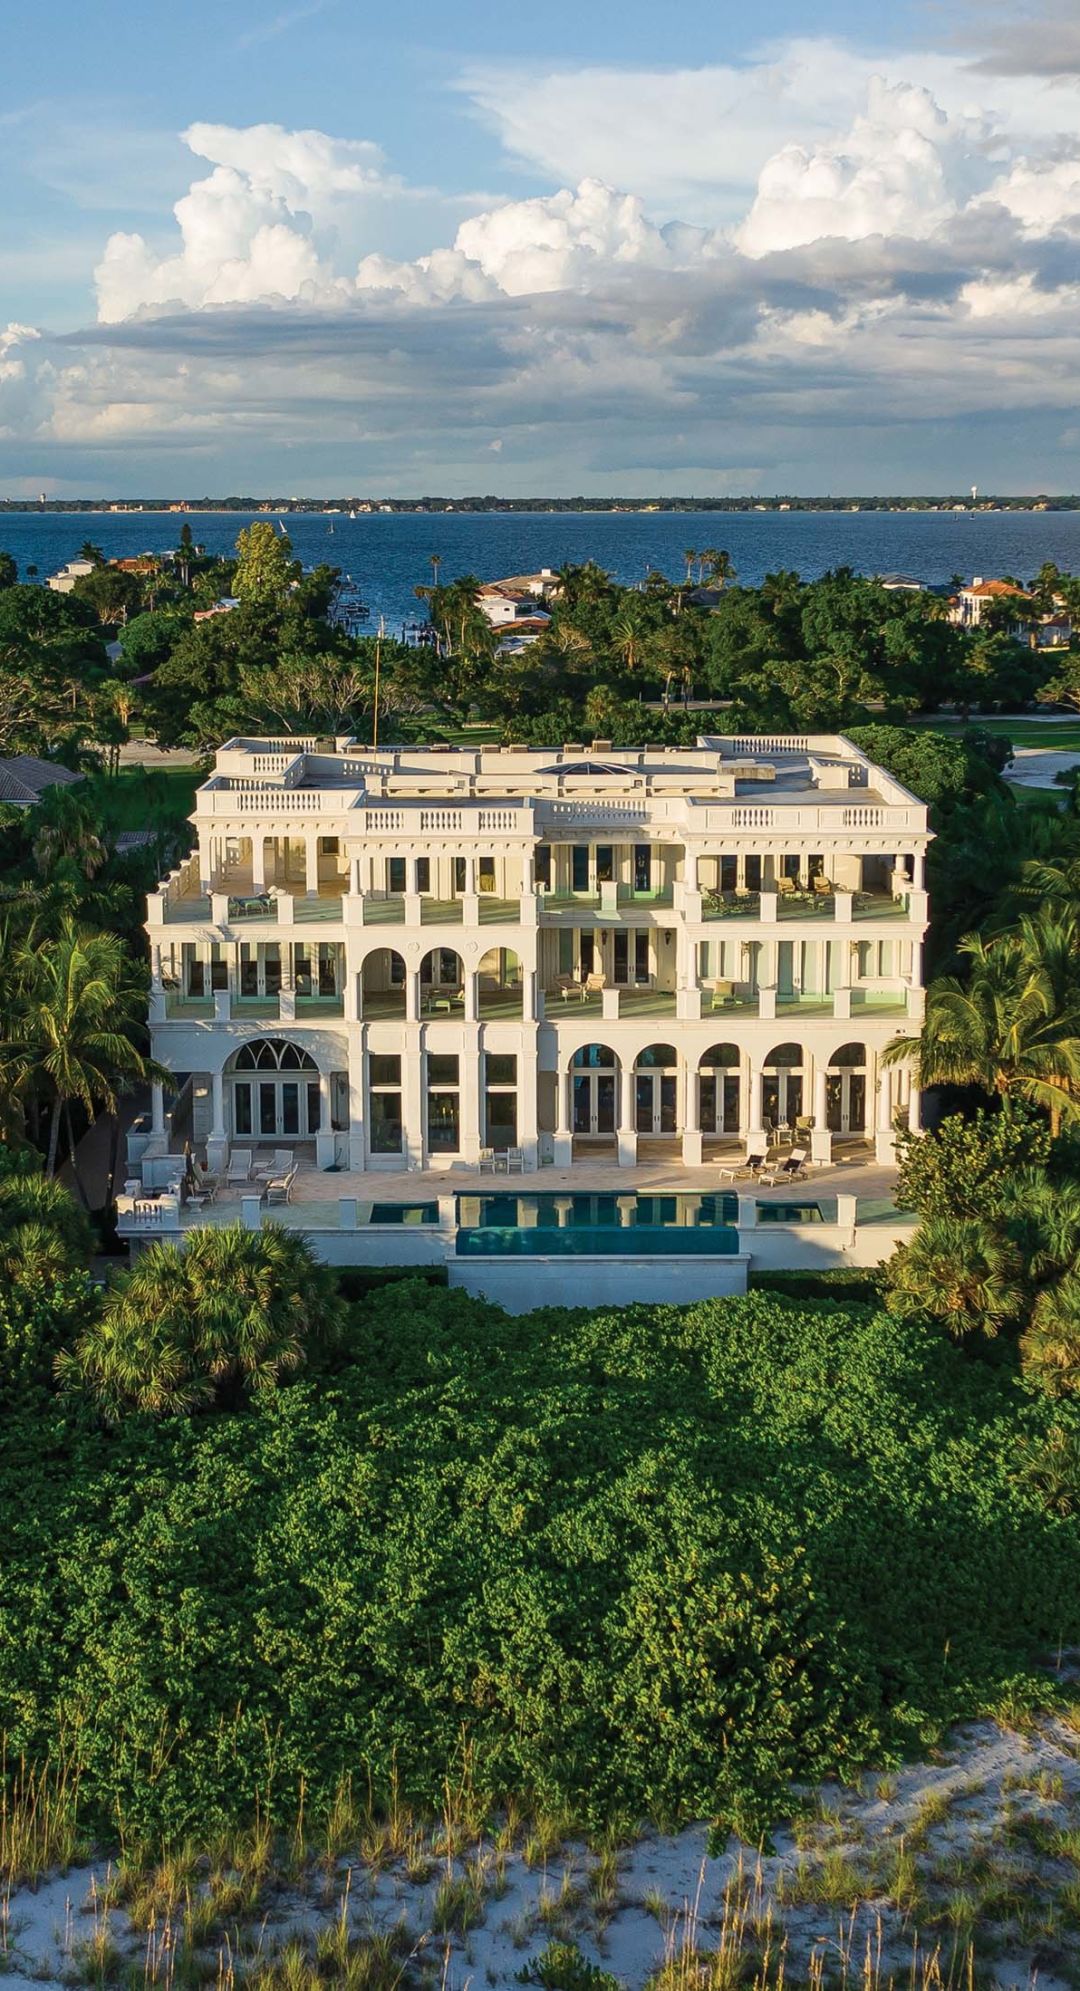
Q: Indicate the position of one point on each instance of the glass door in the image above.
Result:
(656, 1107)
(594, 1103)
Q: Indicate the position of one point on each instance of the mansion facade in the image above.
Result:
(409, 958)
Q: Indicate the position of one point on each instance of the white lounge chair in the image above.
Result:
(279, 1188)
(239, 1169)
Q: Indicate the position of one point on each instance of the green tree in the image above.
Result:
(265, 569)
(9, 572)
(963, 1271)
(67, 830)
(1013, 1029)
(70, 1028)
(960, 1168)
(223, 1320)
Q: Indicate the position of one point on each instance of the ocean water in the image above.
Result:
(388, 555)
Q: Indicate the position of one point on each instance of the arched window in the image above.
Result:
(782, 1086)
(272, 1054)
(594, 1085)
(845, 1090)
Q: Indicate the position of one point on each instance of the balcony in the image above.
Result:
(180, 1008)
(494, 911)
(180, 908)
(730, 905)
(440, 912)
(879, 905)
(382, 911)
(805, 905)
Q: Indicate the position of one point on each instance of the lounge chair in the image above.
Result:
(594, 983)
(794, 1168)
(786, 887)
(239, 1169)
(279, 1188)
(823, 886)
(740, 1171)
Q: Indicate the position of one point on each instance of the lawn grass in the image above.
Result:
(140, 798)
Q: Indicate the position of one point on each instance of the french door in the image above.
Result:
(845, 1101)
(269, 1107)
(594, 1102)
(720, 1102)
(655, 1102)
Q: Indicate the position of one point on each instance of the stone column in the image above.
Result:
(564, 1140)
(627, 1094)
(689, 1093)
(755, 1132)
(412, 994)
(217, 1145)
(821, 1139)
(325, 1144)
(357, 1136)
(884, 1141)
(469, 985)
(311, 862)
(258, 862)
(470, 1098)
(157, 1108)
(528, 1133)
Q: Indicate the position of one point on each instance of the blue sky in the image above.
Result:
(599, 245)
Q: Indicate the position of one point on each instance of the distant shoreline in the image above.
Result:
(946, 506)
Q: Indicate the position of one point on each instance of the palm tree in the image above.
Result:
(717, 566)
(224, 1319)
(690, 556)
(67, 1032)
(962, 1271)
(1050, 1347)
(66, 827)
(1014, 1028)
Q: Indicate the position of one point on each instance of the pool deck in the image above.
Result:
(861, 1178)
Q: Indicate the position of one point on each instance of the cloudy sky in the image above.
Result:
(329, 246)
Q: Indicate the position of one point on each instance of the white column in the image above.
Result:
(217, 1145)
(412, 994)
(311, 862)
(755, 1132)
(157, 1107)
(206, 861)
(564, 1140)
(470, 1099)
(627, 1130)
(258, 862)
(325, 1144)
(884, 1143)
(469, 982)
(357, 1137)
(528, 1136)
(821, 1139)
(689, 1091)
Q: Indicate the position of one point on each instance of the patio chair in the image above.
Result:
(786, 887)
(823, 886)
(486, 1163)
(279, 1188)
(515, 1161)
(748, 1168)
(793, 1169)
(723, 995)
(239, 1169)
(593, 983)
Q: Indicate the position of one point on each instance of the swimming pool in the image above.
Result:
(606, 1225)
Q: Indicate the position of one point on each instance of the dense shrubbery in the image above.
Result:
(657, 1561)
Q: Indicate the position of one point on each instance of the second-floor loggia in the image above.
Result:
(808, 885)
(219, 980)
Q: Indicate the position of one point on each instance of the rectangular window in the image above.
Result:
(443, 1122)
(385, 1123)
(588, 954)
(272, 968)
(267, 1108)
(486, 879)
(449, 968)
(384, 1069)
(314, 1107)
(501, 1068)
(328, 845)
(542, 866)
(395, 875)
(791, 864)
(605, 863)
(501, 1111)
(242, 1107)
(302, 973)
(196, 979)
(579, 867)
(423, 874)
(290, 1107)
(641, 957)
(460, 874)
(219, 974)
(442, 1069)
(249, 973)
(642, 867)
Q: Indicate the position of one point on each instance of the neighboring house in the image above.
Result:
(24, 779)
(1054, 632)
(519, 634)
(65, 578)
(901, 583)
(224, 606)
(503, 606)
(969, 605)
(404, 958)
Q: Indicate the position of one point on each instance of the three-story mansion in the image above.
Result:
(407, 956)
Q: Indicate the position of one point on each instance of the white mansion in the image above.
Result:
(404, 957)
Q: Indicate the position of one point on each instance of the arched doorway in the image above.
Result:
(720, 1090)
(442, 982)
(382, 985)
(275, 1091)
(594, 1086)
(783, 1086)
(656, 1090)
(845, 1090)
(498, 981)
